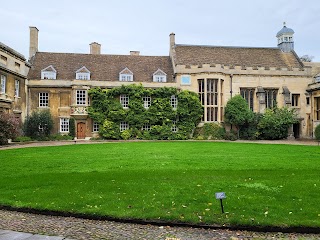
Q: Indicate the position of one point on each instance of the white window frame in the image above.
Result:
(124, 100)
(95, 126)
(81, 96)
(43, 99)
(159, 78)
(17, 88)
(126, 78)
(146, 101)
(124, 126)
(146, 127)
(48, 75)
(64, 125)
(174, 127)
(174, 101)
(3, 84)
(82, 76)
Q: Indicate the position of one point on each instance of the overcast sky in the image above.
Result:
(144, 25)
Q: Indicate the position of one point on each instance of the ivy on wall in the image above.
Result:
(160, 116)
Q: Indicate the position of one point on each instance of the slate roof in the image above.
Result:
(103, 67)
(236, 56)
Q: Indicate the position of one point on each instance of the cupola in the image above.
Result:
(285, 39)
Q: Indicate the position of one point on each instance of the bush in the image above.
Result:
(209, 131)
(38, 125)
(231, 135)
(126, 134)
(59, 137)
(72, 128)
(250, 130)
(317, 133)
(275, 122)
(9, 127)
(22, 139)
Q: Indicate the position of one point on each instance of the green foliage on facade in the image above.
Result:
(160, 116)
(9, 127)
(38, 125)
(317, 133)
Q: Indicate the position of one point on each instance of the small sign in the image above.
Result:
(220, 195)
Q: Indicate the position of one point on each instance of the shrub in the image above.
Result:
(317, 133)
(250, 130)
(22, 139)
(126, 134)
(59, 137)
(9, 127)
(275, 122)
(38, 125)
(72, 128)
(209, 131)
(231, 135)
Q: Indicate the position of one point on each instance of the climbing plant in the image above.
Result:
(163, 120)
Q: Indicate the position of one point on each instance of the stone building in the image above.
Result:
(263, 76)
(13, 73)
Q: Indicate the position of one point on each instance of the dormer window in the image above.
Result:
(160, 76)
(83, 74)
(126, 75)
(49, 73)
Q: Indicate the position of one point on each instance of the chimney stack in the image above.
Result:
(95, 48)
(134, 53)
(33, 48)
(172, 40)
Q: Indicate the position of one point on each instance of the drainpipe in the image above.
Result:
(231, 76)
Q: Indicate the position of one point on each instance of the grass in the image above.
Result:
(266, 185)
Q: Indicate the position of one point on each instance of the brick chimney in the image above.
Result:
(95, 48)
(33, 47)
(134, 53)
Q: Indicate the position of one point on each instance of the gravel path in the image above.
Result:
(76, 228)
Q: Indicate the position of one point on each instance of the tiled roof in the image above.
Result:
(236, 56)
(103, 67)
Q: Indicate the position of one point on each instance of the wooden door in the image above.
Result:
(81, 130)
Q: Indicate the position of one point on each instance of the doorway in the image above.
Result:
(296, 130)
(81, 130)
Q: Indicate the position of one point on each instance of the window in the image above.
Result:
(49, 73)
(64, 124)
(146, 127)
(124, 100)
(3, 60)
(123, 126)
(146, 101)
(174, 127)
(3, 84)
(271, 97)
(248, 94)
(317, 108)
(16, 88)
(83, 74)
(95, 127)
(185, 80)
(126, 75)
(81, 97)
(159, 76)
(201, 90)
(295, 100)
(308, 100)
(212, 100)
(173, 101)
(43, 99)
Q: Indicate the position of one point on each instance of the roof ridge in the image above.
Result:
(191, 45)
(104, 54)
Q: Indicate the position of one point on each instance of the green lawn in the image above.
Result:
(266, 185)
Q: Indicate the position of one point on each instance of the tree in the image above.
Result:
(237, 112)
(306, 58)
(38, 125)
(275, 122)
(9, 127)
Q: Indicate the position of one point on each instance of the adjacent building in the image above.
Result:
(265, 77)
(13, 74)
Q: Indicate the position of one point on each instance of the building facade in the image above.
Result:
(13, 74)
(265, 77)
